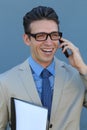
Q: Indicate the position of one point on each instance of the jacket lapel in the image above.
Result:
(58, 86)
(28, 82)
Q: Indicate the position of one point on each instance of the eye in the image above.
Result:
(40, 36)
(55, 35)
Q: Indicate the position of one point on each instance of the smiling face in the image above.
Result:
(42, 51)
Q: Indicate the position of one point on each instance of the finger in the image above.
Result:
(64, 48)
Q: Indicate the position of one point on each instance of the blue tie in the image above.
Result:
(46, 91)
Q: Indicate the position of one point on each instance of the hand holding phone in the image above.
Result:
(68, 52)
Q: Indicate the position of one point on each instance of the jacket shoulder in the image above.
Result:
(14, 70)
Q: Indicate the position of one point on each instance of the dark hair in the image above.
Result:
(39, 13)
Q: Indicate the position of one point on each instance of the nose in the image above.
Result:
(48, 40)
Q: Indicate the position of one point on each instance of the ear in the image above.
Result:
(26, 39)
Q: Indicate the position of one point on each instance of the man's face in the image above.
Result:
(43, 51)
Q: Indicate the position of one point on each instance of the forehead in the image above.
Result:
(43, 26)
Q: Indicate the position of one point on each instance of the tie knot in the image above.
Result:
(45, 73)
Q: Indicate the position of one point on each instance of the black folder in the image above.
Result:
(27, 116)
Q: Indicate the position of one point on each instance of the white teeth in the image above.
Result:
(47, 50)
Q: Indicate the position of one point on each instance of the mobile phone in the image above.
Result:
(68, 52)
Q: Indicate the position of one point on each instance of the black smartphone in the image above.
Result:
(68, 52)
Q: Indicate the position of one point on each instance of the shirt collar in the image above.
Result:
(37, 68)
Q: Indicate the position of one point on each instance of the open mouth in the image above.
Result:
(46, 50)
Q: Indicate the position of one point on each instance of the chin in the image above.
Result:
(48, 60)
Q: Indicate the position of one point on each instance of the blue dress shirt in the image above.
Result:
(37, 69)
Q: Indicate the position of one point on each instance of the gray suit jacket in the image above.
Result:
(68, 94)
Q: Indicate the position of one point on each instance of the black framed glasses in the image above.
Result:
(42, 36)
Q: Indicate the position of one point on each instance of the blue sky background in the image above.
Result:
(73, 24)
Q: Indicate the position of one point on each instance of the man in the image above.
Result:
(67, 82)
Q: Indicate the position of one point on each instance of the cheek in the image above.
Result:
(56, 44)
(34, 49)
